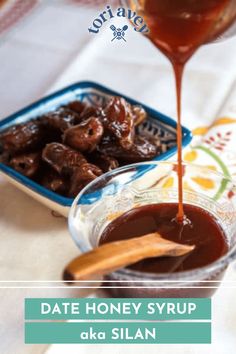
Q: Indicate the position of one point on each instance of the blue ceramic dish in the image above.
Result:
(157, 125)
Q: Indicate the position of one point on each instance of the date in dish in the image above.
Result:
(67, 148)
(55, 146)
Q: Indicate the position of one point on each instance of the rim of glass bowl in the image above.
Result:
(215, 266)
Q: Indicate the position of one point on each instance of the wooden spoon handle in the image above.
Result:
(119, 254)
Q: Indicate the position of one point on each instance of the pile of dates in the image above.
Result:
(66, 149)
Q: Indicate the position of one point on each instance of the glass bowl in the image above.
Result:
(116, 192)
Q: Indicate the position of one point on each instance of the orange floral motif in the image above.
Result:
(190, 156)
(223, 121)
(200, 131)
(169, 182)
(211, 167)
(205, 183)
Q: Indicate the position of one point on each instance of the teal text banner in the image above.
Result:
(117, 309)
(117, 332)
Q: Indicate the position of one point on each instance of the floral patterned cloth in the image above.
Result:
(214, 147)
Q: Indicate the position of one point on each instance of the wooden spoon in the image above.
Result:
(112, 256)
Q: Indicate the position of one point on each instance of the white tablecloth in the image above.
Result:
(34, 245)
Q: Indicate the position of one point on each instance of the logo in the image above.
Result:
(119, 32)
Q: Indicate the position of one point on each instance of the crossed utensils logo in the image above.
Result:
(119, 33)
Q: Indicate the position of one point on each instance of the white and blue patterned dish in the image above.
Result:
(157, 125)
